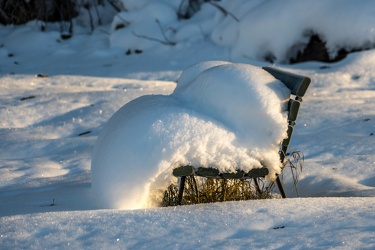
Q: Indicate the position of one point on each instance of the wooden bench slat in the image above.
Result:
(293, 110)
(214, 173)
(208, 172)
(183, 171)
(257, 172)
(286, 141)
(238, 175)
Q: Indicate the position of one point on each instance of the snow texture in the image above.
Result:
(49, 126)
(228, 116)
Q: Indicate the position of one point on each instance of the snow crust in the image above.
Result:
(222, 115)
(259, 224)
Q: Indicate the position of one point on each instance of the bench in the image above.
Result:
(298, 85)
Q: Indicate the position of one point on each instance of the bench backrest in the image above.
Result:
(298, 85)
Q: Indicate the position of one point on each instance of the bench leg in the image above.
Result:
(181, 189)
(257, 185)
(280, 186)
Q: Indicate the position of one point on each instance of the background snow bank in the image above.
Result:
(229, 116)
(288, 24)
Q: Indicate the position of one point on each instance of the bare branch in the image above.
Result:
(224, 11)
(124, 21)
(4, 15)
(166, 40)
(117, 5)
(155, 39)
(163, 32)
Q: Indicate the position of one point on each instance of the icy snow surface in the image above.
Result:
(230, 117)
(48, 128)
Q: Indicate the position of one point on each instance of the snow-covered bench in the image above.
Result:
(298, 85)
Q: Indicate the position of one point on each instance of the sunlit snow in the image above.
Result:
(230, 117)
(50, 123)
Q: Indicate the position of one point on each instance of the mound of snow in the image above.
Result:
(142, 22)
(279, 28)
(256, 29)
(223, 115)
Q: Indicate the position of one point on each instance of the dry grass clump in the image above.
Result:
(207, 190)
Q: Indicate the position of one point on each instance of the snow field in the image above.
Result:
(46, 199)
(319, 223)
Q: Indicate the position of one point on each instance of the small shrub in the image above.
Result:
(316, 50)
(16, 11)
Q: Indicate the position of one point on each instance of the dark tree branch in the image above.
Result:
(166, 40)
(118, 6)
(224, 11)
(154, 39)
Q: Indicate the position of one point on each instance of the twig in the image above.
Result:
(125, 22)
(224, 11)
(50, 205)
(4, 15)
(118, 6)
(165, 42)
(87, 7)
(163, 32)
(97, 12)
(296, 167)
(53, 203)
(154, 39)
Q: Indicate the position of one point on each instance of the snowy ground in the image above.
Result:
(48, 127)
(314, 223)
